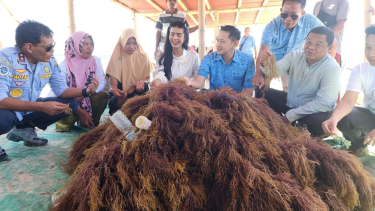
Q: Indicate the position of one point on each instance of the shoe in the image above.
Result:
(3, 155)
(28, 136)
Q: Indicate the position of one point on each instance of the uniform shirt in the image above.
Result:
(311, 89)
(17, 80)
(338, 8)
(248, 45)
(164, 20)
(185, 65)
(281, 41)
(237, 74)
(99, 74)
(362, 79)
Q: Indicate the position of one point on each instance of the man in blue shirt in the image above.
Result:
(248, 45)
(24, 71)
(286, 33)
(227, 66)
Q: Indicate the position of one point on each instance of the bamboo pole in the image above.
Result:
(367, 18)
(216, 29)
(202, 26)
(71, 21)
(221, 11)
(6, 8)
(1, 45)
(135, 21)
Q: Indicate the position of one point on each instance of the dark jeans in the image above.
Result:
(277, 101)
(356, 125)
(112, 103)
(37, 118)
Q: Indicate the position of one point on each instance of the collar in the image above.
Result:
(21, 58)
(235, 57)
(175, 11)
(184, 52)
(318, 62)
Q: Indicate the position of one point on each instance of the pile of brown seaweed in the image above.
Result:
(211, 151)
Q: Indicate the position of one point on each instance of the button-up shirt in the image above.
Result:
(19, 81)
(237, 74)
(281, 41)
(311, 89)
(247, 45)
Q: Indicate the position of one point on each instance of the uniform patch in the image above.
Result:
(19, 83)
(21, 57)
(45, 76)
(20, 77)
(46, 69)
(55, 63)
(16, 92)
(20, 70)
(3, 70)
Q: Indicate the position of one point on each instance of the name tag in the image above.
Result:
(45, 76)
(20, 77)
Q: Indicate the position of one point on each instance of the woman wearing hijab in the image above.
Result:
(128, 68)
(80, 68)
(177, 61)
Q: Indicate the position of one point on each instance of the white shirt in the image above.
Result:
(362, 78)
(185, 65)
(99, 74)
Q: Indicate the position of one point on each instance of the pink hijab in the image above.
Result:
(79, 71)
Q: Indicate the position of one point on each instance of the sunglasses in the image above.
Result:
(292, 16)
(48, 47)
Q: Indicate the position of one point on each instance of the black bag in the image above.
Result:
(327, 19)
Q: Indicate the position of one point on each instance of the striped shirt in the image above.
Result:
(164, 20)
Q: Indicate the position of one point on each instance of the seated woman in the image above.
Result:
(177, 61)
(81, 67)
(357, 124)
(128, 68)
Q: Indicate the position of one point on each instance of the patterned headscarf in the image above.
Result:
(79, 71)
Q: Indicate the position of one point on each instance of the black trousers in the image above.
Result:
(356, 125)
(277, 101)
(112, 103)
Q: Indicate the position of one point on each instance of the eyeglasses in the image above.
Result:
(48, 47)
(292, 16)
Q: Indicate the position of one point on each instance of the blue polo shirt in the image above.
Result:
(237, 74)
(282, 41)
(248, 44)
(17, 80)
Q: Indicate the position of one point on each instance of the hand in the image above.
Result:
(140, 86)
(118, 93)
(91, 89)
(53, 108)
(286, 120)
(79, 99)
(188, 81)
(258, 80)
(370, 138)
(285, 88)
(155, 83)
(264, 56)
(156, 53)
(85, 118)
(330, 126)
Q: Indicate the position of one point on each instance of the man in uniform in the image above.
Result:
(24, 70)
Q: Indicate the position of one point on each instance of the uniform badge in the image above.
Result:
(46, 69)
(19, 83)
(3, 70)
(21, 57)
(20, 70)
(16, 92)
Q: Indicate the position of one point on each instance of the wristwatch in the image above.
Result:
(84, 93)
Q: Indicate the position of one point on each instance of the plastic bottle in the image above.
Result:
(123, 124)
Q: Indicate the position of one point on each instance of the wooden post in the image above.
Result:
(1, 45)
(72, 25)
(216, 29)
(367, 17)
(202, 27)
(135, 21)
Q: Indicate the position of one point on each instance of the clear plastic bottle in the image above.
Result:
(123, 124)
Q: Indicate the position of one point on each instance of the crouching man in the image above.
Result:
(314, 82)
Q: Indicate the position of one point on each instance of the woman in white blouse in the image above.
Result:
(80, 67)
(177, 61)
